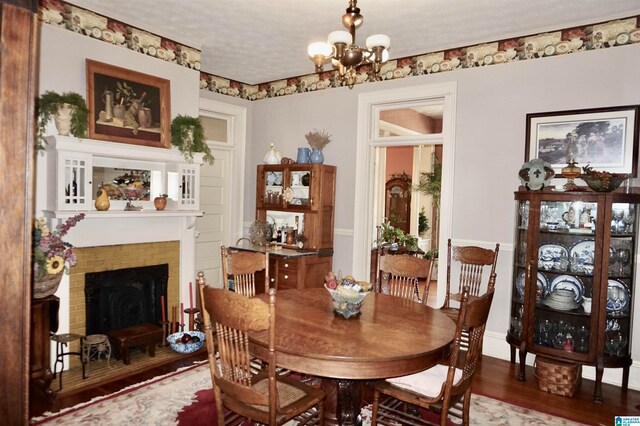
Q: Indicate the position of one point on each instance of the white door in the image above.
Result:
(221, 186)
(213, 227)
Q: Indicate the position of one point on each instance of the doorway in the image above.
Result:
(375, 135)
(221, 185)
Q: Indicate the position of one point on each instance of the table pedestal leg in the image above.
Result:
(343, 403)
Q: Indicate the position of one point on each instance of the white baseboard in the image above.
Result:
(495, 345)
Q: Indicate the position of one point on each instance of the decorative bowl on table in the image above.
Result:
(186, 342)
(347, 294)
(602, 181)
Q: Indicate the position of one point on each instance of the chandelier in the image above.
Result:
(345, 54)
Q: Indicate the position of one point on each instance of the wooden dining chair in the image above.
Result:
(264, 396)
(440, 387)
(471, 263)
(242, 266)
(401, 275)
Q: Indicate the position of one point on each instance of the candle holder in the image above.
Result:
(191, 312)
(165, 332)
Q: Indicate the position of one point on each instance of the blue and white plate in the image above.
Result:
(584, 251)
(618, 297)
(542, 283)
(555, 251)
(568, 282)
(550, 257)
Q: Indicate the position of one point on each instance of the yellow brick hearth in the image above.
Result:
(105, 258)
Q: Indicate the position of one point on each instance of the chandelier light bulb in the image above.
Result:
(339, 37)
(319, 48)
(378, 40)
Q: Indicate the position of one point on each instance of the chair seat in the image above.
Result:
(293, 395)
(428, 382)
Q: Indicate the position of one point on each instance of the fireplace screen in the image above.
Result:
(124, 297)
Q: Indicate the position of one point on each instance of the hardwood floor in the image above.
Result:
(495, 378)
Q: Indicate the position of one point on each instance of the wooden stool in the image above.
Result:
(62, 340)
(126, 338)
(95, 345)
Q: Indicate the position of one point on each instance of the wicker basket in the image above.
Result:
(557, 377)
(47, 285)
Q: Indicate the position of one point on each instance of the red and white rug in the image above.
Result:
(185, 398)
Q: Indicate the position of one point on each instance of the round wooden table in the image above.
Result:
(391, 337)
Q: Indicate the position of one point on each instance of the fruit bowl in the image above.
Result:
(347, 305)
(604, 181)
(132, 192)
(180, 344)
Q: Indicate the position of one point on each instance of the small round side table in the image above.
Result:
(93, 347)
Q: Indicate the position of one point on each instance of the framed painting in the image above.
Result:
(605, 138)
(128, 106)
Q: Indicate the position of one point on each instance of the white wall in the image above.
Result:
(492, 103)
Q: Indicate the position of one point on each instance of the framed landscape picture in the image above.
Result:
(605, 138)
(128, 106)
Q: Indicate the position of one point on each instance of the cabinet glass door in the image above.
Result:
(620, 280)
(520, 265)
(298, 191)
(565, 255)
(273, 187)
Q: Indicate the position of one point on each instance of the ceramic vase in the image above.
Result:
(62, 119)
(316, 156)
(272, 157)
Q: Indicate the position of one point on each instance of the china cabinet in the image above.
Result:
(573, 278)
(299, 199)
(77, 168)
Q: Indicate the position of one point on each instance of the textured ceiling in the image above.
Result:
(256, 41)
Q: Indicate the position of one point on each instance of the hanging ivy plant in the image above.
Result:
(187, 135)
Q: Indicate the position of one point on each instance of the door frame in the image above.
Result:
(236, 117)
(366, 161)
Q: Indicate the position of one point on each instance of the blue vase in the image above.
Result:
(303, 156)
(316, 156)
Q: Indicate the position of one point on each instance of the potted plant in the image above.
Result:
(392, 235)
(423, 223)
(187, 135)
(69, 111)
(429, 184)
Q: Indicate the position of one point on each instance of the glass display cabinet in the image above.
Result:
(573, 279)
(307, 190)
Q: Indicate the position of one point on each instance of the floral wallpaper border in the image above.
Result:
(90, 24)
(602, 35)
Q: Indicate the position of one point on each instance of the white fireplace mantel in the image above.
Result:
(116, 226)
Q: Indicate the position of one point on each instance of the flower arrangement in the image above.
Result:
(318, 139)
(51, 255)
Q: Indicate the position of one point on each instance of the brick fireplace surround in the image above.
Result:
(104, 258)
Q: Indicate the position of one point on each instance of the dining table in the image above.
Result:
(390, 337)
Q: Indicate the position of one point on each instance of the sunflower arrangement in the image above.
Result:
(51, 255)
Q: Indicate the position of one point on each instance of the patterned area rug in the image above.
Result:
(185, 398)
